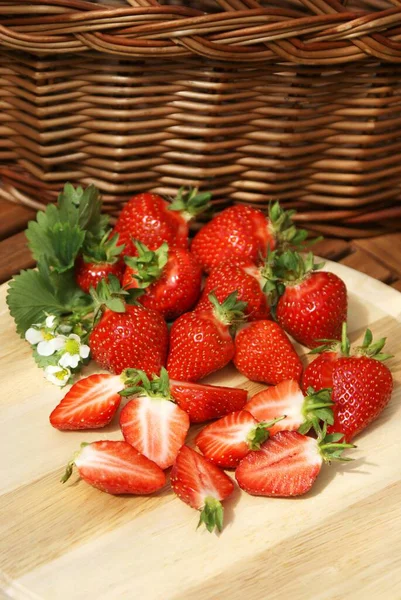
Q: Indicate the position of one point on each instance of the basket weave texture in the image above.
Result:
(297, 100)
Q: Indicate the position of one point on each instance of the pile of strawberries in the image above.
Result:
(236, 293)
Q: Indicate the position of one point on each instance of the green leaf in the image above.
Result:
(29, 299)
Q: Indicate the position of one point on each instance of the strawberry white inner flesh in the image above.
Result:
(156, 427)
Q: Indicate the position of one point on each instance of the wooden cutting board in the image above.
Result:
(72, 542)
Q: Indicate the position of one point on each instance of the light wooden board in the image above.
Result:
(72, 542)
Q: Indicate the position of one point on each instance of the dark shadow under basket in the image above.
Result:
(292, 100)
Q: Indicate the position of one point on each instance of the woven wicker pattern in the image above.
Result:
(294, 100)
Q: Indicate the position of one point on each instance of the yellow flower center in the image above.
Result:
(72, 346)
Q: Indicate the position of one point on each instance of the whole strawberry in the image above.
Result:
(201, 341)
(243, 232)
(171, 279)
(309, 305)
(126, 335)
(362, 385)
(151, 219)
(98, 262)
(243, 277)
(264, 353)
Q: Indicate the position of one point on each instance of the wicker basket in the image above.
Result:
(292, 99)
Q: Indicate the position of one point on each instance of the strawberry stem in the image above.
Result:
(138, 383)
(283, 228)
(212, 514)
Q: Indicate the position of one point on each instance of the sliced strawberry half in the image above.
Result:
(90, 403)
(226, 441)
(286, 398)
(116, 468)
(287, 464)
(202, 485)
(152, 423)
(206, 402)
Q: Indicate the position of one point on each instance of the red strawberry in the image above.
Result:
(127, 335)
(238, 232)
(202, 485)
(152, 220)
(264, 353)
(287, 464)
(171, 279)
(243, 232)
(90, 403)
(152, 422)
(362, 385)
(100, 259)
(200, 341)
(205, 402)
(286, 398)
(311, 306)
(244, 278)
(226, 441)
(116, 468)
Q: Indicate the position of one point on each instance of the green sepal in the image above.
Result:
(317, 406)
(285, 232)
(372, 349)
(109, 294)
(212, 514)
(149, 264)
(138, 383)
(260, 433)
(71, 463)
(229, 312)
(330, 446)
(190, 202)
(106, 250)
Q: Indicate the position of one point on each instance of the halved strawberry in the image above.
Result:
(226, 441)
(286, 398)
(116, 468)
(288, 463)
(202, 485)
(205, 402)
(152, 422)
(91, 402)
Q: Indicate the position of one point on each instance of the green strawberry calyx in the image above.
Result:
(190, 202)
(137, 383)
(330, 446)
(148, 265)
(212, 514)
(283, 229)
(260, 433)
(105, 250)
(317, 406)
(71, 463)
(230, 312)
(285, 269)
(110, 295)
(368, 347)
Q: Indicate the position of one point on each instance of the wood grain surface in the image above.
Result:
(73, 542)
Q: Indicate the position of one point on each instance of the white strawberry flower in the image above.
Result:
(73, 352)
(34, 336)
(40, 332)
(50, 344)
(57, 375)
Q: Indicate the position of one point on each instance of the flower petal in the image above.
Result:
(84, 351)
(33, 336)
(69, 360)
(50, 321)
(45, 348)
